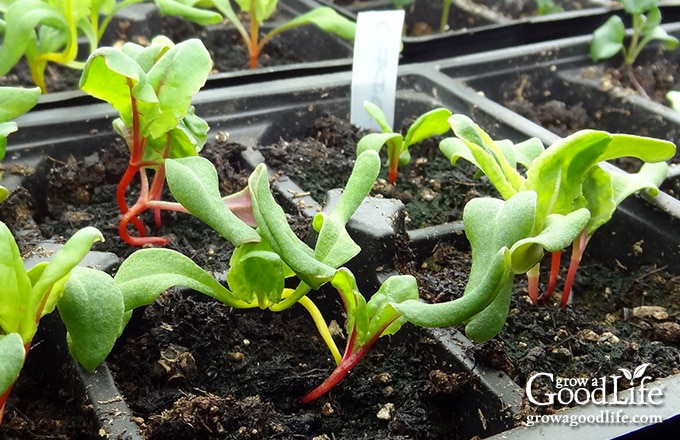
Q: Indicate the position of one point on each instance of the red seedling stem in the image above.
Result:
(149, 196)
(577, 249)
(349, 360)
(253, 45)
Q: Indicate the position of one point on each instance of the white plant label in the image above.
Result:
(377, 43)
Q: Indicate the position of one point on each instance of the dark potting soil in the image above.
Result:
(655, 73)
(620, 318)
(527, 8)
(216, 373)
(433, 191)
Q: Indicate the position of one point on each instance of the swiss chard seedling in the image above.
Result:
(151, 87)
(93, 317)
(432, 123)
(564, 198)
(269, 255)
(566, 176)
(609, 38)
(260, 10)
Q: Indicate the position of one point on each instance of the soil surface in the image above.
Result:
(433, 191)
(526, 94)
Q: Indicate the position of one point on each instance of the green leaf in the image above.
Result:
(638, 6)
(490, 321)
(433, 123)
(149, 272)
(260, 9)
(377, 317)
(557, 175)
(488, 156)
(176, 77)
(113, 76)
(48, 285)
(194, 183)
(461, 309)
(92, 309)
(558, 232)
(12, 357)
(375, 142)
(273, 227)
(15, 284)
(607, 39)
(334, 246)
(180, 9)
(14, 101)
(673, 96)
(257, 276)
(324, 17)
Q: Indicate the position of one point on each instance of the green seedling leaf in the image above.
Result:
(149, 272)
(484, 153)
(464, 308)
(558, 232)
(194, 183)
(14, 102)
(178, 8)
(673, 96)
(16, 283)
(324, 17)
(429, 124)
(260, 9)
(257, 276)
(433, 123)
(176, 77)
(377, 317)
(638, 6)
(608, 39)
(91, 300)
(12, 355)
(48, 279)
(273, 227)
(334, 246)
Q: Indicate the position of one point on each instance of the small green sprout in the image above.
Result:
(608, 39)
(432, 123)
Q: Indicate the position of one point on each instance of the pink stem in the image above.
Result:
(578, 247)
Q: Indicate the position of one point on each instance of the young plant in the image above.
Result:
(608, 39)
(432, 123)
(564, 198)
(260, 10)
(151, 87)
(566, 177)
(93, 317)
(268, 255)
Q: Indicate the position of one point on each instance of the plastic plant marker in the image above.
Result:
(377, 43)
